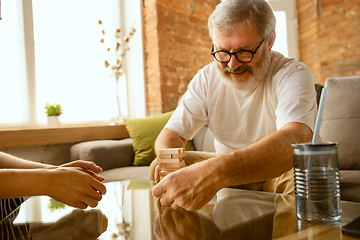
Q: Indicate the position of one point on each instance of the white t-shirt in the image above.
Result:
(237, 118)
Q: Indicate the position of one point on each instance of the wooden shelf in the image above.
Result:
(50, 136)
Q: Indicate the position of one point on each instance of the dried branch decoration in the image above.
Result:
(120, 48)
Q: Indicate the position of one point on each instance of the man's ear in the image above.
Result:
(271, 40)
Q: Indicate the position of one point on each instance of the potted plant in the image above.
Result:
(53, 112)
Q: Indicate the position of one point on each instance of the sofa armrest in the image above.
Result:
(108, 154)
(204, 140)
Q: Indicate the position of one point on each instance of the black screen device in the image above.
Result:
(352, 229)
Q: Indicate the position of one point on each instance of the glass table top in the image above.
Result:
(129, 211)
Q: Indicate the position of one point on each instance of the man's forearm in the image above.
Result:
(265, 159)
(169, 139)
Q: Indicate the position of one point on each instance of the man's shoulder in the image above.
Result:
(281, 65)
(208, 69)
(206, 74)
(279, 61)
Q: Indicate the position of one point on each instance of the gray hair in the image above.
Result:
(229, 13)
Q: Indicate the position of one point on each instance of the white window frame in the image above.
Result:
(29, 59)
(135, 73)
(289, 7)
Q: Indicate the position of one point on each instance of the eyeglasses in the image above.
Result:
(243, 56)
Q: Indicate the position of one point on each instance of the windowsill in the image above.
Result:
(36, 136)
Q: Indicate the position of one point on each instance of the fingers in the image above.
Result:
(165, 200)
(157, 175)
(96, 176)
(175, 205)
(98, 187)
(87, 165)
(90, 198)
(95, 195)
(90, 191)
(76, 187)
(93, 186)
(91, 169)
(99, 178)
(91, 166)
(158, 190)
(92, 201)
(81, 205)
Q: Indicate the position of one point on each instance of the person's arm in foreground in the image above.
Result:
(75, 184)
(192, 187)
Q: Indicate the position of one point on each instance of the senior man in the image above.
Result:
(256, 103)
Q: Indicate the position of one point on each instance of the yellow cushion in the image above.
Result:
(143, 132)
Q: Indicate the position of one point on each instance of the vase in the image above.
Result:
(53, 121)
(117, 74)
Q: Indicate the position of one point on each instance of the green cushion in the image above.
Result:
(143, 132)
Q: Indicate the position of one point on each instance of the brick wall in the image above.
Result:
(177, 45)
(329, 37)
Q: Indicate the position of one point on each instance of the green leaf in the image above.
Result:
(55, 205)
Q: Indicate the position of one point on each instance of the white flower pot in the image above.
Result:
(53, 121)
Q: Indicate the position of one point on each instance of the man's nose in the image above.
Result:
(234, 63)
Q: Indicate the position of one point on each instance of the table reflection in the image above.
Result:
(78, 225)
(241, 215)
(129, 211)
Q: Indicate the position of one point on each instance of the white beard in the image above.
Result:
(248, 83)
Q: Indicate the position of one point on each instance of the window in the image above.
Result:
(51, 52)
(286, 27)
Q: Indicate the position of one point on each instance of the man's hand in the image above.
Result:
(157, 174)
(189, 188)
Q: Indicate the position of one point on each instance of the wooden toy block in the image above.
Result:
(172, 165)
(171, 151)
(170, 160)
(180, 155)
(164, 173)
(169, 156)
(165, 156)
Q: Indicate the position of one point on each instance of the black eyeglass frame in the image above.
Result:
(235, 53)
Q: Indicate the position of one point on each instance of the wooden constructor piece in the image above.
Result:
(170, 160)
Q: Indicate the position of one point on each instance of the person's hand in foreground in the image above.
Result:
(77, 184)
